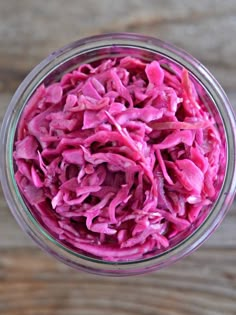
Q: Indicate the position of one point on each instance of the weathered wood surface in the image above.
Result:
(31, 283)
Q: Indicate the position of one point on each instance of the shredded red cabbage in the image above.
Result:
(118, 158)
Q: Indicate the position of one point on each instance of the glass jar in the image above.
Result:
(94, 49)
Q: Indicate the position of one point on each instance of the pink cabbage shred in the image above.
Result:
(119, 158)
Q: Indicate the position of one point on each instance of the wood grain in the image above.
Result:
(32, 283)
(204, 283)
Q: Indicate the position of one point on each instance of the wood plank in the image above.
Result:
(36, 284)
(206, 30)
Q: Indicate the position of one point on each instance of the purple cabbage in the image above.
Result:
(119, 158)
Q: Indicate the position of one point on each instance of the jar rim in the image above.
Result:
(30, 224)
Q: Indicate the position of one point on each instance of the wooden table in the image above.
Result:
(31, 283)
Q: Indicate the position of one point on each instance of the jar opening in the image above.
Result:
(96, 52)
